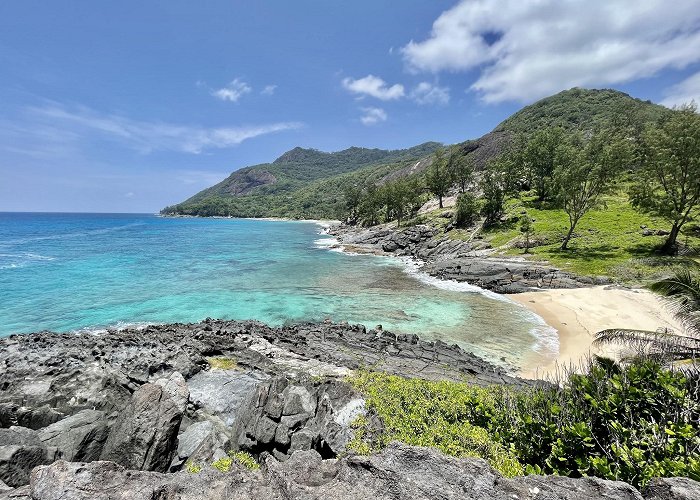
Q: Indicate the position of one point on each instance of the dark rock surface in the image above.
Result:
(672, 488)
(78, 438)
(144, 437)
(465, 261)
(21, 450)
(398, 472)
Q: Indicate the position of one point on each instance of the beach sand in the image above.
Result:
(577, 314)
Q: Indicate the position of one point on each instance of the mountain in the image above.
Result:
(310, 184)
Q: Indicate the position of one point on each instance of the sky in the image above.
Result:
(130, 106)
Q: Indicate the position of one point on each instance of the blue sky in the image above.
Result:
(130, 106)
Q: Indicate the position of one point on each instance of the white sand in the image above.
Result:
(579, 313)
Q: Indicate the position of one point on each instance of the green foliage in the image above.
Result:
(493, 188)
(245, 459)
(223, 464)
(538, 159)
(461, 169)
(627, 423)
(438, 177)
(669, 180)
(222, 363)
(527, 229)
(581, 109)
(467, 209)
(193, 467)
(585, 170)
(434, 414)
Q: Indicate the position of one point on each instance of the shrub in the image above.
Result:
(628, 423)
(245, 459)
(467, 209)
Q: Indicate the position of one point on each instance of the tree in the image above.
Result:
(370, 206)
(461, 167)
(583, 172)
(527, 229)
(437, 177)
(404, 198)
(467, 209)
(669, 179)
(353, 197)
(537, 158)
(494, 194)
(681, 292)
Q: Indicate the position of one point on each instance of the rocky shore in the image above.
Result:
(143, 413)
(464, 261)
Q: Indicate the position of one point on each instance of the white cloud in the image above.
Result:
(373, 116)
(233, 91)
(130, 194)
(686, 91)
(269, 90)
(524, 50)
(148, 136)
(374, 86)
(427, 93)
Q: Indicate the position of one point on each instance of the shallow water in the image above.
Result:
(66, 272)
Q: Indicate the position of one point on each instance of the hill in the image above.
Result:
(309, 184)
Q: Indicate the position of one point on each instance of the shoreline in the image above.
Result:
(578, 314)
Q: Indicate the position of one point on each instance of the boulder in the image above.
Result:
(80, 437)
(144, 437)
(672, 488)
(20, 451)
(399, 472)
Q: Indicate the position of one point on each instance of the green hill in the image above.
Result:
(309, 184)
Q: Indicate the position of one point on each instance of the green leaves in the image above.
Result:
(630, 423)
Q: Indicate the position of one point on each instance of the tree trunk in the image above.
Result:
(440, 201)
(568, 237)
(670, 247)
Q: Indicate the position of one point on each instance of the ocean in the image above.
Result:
(71, 272)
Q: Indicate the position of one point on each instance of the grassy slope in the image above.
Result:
(607, 241)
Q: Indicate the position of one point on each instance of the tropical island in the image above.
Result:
(570, 205)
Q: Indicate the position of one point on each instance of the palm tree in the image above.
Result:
(681, 292)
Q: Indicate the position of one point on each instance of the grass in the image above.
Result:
(243, 458)
(222, 363)
(607, 241)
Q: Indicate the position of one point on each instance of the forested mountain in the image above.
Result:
(307, 183)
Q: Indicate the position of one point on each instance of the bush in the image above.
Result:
(628, 423)
(467, 209)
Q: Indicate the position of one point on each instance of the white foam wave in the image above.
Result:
(118, 326)
(17, 260)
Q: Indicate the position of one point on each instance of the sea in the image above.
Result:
(90, 272)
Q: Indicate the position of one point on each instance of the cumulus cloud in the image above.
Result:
(143, 136)
(269, 90)
(373, 116)
(427, 93)
(233, 91)
(686, 91)
(375, 87)
(524, 50)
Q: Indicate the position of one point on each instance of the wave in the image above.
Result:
(546, 337)
(17, 260)
(118, 326)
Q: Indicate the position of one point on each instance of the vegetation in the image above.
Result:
(467, 210)
(243, 458)
(669, 183)
(682, 294)
(193, 467)
(526, 228)
(628, 423)
(222, 363)
(438, 178)
(584, 170)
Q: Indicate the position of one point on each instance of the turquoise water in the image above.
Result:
(65, 272)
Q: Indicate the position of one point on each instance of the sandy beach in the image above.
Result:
(577, 314)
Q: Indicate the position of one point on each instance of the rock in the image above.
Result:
(78, 438)
(399, 472)
(222, 392)
(202, 443)
(144, 436)
(20, 451)
(32, 418)
(672, 488)
(647, 232)
(297, 400)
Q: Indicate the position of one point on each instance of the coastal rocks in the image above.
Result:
(399, 472)
(144, 435)
(21, 450)
(284, 416)
(672, 488)
(78, 438)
